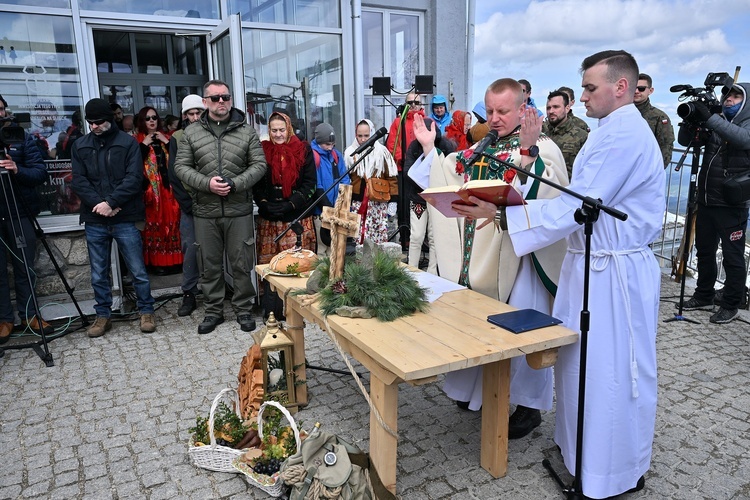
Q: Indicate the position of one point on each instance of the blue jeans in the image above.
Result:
(99, 240)
(190, 273)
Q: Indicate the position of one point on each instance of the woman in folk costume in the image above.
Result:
(374, 200)
(161, 235)
(457, 129)
(282, 195)
(286, 189)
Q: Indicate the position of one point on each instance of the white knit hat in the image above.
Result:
(192, 101)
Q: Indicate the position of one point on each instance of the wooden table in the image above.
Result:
(453, 334)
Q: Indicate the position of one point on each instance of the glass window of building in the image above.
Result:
(39, 76)
(296, 73)
(321, 13)
(392, 46)
(201, 9)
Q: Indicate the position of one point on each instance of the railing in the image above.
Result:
(667, 247)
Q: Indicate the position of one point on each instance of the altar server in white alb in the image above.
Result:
(621, 164)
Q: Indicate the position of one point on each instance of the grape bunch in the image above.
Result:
(266, 465)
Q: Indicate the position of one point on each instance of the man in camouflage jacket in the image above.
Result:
(657, 119)
(561, 129)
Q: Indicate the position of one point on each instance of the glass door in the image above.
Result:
(225, 54)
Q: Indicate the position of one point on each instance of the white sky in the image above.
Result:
(674, 41)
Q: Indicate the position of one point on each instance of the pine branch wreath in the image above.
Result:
(386, 290)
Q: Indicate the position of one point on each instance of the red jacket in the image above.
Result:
(393, 143)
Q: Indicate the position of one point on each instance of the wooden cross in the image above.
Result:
(342, 223)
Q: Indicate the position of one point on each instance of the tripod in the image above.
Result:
(688, 224)
(403, 228)
(587, 215)
(14, 220)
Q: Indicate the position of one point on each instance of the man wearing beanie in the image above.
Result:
(329, 165)
(192, 107)
(25, 170)
(108, 178)
(219, 160)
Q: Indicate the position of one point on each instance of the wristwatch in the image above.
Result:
(533, 151)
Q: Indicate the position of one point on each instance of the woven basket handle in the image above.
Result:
(286, 414)
(215, 405)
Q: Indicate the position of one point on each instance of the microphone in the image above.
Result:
(490, 138)
(680, 88)
(368, 144)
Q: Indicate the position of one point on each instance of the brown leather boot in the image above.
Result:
(148, 323)
(100, 326)
(5, 330)
(34, 325)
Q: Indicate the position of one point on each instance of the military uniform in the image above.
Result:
(569, 138)
(578, 121)
(659, 123)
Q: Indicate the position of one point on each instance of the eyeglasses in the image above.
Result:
(152, 118)
(414, 103)
(641, 89)
(223, 97)
(2, 109)
(96, 122)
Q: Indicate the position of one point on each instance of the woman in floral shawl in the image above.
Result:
(378, 164)
(285, 191)
(161, 235)
(457, 129)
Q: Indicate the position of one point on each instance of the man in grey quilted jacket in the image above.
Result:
(219, 159)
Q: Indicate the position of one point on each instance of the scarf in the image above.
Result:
(285, 160)
(455, 130)
(155, 163)
(375, 164)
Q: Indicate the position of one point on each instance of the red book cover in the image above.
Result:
(496, 191)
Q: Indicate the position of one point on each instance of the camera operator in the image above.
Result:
(21, 169)
(727, 153)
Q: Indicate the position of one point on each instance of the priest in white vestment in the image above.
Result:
(620, 164)
(483, 259)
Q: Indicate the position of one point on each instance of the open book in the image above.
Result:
(495, 191)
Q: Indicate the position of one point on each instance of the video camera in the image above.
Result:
(12, 135)
(689, 127)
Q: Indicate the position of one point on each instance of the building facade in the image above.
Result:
(313, 59)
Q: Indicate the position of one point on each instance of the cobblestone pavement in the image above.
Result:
(110, 419)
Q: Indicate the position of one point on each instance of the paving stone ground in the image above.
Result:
(110, 419)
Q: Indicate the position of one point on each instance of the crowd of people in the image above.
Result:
(182, 194)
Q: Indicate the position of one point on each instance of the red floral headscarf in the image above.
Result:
(284, 160)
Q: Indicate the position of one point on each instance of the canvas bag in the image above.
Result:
(307, 473)
(378, 189)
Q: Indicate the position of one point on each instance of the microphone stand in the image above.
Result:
(587, 215)
(315, 203)
(296, 227)
(688, 223)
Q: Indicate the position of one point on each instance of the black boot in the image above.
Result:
(188, 304)
(523, 421)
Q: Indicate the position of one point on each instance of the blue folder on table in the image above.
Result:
(523, 320)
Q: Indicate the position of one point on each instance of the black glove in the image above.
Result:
(263, 209)
(277, 209)
(700, 113)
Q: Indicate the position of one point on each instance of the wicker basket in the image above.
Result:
(213, 456)
(270, 484)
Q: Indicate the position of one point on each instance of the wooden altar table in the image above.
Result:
(453, 334)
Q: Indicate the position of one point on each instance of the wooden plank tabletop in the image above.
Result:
(454, 333)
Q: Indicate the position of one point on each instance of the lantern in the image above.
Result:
(277, 356)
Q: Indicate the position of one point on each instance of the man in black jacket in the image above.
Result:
(108, 178)
(727, 153)
(21, 169)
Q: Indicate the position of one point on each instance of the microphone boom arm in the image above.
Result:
(587, 200)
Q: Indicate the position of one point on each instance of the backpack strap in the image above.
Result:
(316, 155)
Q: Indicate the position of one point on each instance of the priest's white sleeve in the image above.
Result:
(420, 171)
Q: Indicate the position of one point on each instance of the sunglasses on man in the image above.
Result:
(223, 97)
(641, 88)
(96, 122)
